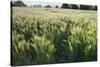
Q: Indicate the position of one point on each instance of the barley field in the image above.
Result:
(50, 35)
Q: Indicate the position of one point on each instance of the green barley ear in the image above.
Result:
(44, 49)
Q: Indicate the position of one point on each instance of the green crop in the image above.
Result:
(53, 39)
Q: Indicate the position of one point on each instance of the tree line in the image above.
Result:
(83, 7)
(18, 3)
(64, 6)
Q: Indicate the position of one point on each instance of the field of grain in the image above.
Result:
(50, 35)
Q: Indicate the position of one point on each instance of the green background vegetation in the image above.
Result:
(20, 3)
